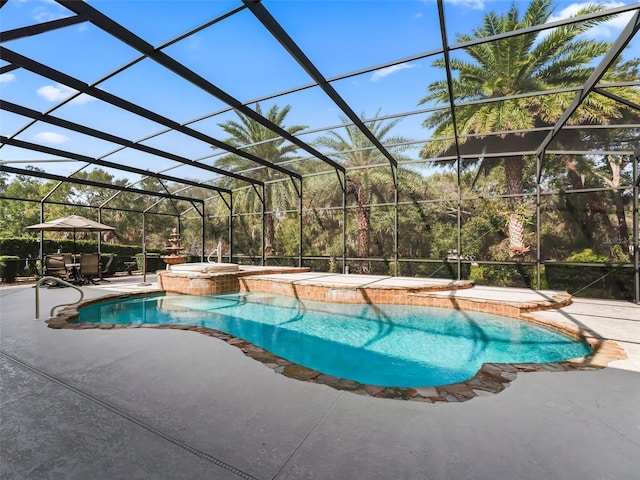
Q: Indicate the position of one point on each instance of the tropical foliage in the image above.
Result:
(258, 140)
(366, 182)
(528, 63)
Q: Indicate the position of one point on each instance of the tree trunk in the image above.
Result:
(623, 228)
(269, 228)
(514, 171)
(269, 235)
(614, 183)
(364, 236)
(364, 225)
(517, 247)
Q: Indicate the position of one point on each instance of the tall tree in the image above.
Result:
(518, 65)
(16, 215)
(365, 181)
(258, 140)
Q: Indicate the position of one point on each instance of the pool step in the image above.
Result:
(512, 302)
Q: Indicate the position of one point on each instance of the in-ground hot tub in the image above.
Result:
(211, 278)
(204, 267)
(200, 278)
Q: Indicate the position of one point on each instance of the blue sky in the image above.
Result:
(239, 56)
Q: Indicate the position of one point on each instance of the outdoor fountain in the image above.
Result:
(174, 257)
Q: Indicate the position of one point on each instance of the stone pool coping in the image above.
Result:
(492, 378)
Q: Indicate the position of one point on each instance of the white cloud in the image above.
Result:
(7, 78)
(608, 29)
(50, 137)
(472, 4)
(50, 11)
(54, 93)
(385, 72)
(59, 92)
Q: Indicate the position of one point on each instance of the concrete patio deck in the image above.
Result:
(167, 404)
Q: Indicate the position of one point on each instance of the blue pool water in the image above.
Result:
(388, 345)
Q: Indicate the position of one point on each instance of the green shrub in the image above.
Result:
(9, 268)
(30, 248)
(587, 256)
(441, 269)
(521, 276)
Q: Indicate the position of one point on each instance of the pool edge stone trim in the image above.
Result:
(491, 379)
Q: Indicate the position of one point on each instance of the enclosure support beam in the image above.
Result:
(459, 220)
(617, 98)
(102, 163)
(539, 159)
(179, 226)
(45, 71)
(264, 225)
(41, 250)
(300, 227)
(100, 232)
(173, 204)
(44, 117)
(230, 227)
(452, 106)
(79, 181)
(610, 57)
(118, 31)
(298, 188)
(202, 232)
(39, 28)
(279, 33)
(396, 265)
(343, 185)
(636, 233)
(144, 247)
(261, 196)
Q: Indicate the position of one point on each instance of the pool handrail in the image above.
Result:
(58, 280)
(218, 251)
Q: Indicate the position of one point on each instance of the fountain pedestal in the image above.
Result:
(174, 257)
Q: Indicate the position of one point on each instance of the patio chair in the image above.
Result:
(130, 266)
(90, 267)
(54, 266)
(105, 272)
(72, 266)
(33, 267)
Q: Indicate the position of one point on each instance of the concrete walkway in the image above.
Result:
(167, 404)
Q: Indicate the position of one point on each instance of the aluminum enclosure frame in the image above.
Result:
(85, 13)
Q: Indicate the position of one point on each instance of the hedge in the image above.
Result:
(24, 248)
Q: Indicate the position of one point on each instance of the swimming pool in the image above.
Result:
(388, 345)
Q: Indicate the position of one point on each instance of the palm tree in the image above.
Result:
(518, 65)
(365, 182)
(258, 140)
